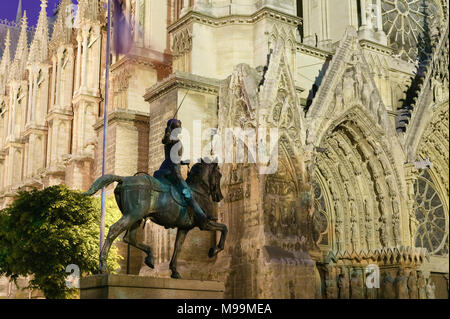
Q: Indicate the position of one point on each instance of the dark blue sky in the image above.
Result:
(8, 9)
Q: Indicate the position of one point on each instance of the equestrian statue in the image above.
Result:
(166, 199)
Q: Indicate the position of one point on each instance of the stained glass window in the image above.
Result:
(432, 231)
(405, 22)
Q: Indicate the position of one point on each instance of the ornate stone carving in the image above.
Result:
(412, 285)
(430, 289)
(388, 286)
(343, 285)
(356, 285)
(401, 285)
(421, 285)
(331, 283)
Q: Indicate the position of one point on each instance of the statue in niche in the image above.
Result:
(348, 87)
(382, 229)
(369, 222)
(401, 285)
(358, 81)
(421, 285)
(396, 220)
(388, 286)
(330, 283)
(339, 222)
(356, 285)
(354, 223)
(391, 188)
(343, 285)
(348, 191)
(342, 172)
(412, 285)
(430, 289)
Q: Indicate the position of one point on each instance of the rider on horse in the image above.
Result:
(174, 170)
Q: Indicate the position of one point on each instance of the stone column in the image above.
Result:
(410, 178)
(78, 71)
(30, 96)
(381, 36)
(52, 92)
(34, 99)
(58, 79)
(84, 59)
(363, 15)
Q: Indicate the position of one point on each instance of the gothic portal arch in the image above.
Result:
(431, 187)
(359, 180)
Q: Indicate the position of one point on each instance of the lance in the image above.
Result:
(174, 116)
(105, 124)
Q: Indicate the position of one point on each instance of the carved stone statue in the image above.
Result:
(339, 223)
(388, 286)
(343, 285)
(412, 285)
(421, 285)
(330, 283)
(356, 285)
(348, 87)
(430, 289)
(401, 285)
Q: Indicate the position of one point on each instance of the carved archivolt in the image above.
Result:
(363, 193)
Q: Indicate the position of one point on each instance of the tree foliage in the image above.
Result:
(44, 231)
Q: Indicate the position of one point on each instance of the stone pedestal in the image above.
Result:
(139, 287)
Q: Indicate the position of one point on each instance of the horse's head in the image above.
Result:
(206, 176)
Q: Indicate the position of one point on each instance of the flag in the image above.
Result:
(123, 37)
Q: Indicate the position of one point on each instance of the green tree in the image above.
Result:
(44, 231)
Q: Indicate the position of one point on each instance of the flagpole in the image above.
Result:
(105, 124)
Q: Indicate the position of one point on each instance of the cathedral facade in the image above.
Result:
(357, 89)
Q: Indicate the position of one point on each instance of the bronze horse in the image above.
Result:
(142, 197)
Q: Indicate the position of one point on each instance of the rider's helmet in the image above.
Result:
(173, 123)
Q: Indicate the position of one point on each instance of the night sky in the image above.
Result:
(8, 9)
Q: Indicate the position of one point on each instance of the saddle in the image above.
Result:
(165, 186)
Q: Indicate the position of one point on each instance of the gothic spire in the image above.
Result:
(6, 58)
(62, 31)
(19, 12)
(39, 46)
(21, 55)
(5, 63)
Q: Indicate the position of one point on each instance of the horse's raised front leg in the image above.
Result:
(115, 230)
(130, 238)
(181, 236)
(215, 226)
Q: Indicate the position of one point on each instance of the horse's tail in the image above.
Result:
(102, 182)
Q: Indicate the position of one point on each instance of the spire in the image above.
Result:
(62, 32)
(39, 46)
(19, 12)
(20, 57)
(6, 58)
(5, 63)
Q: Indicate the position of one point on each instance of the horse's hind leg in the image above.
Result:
(181, 236)
(130, 238)
(115, 230)
(214, 226)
